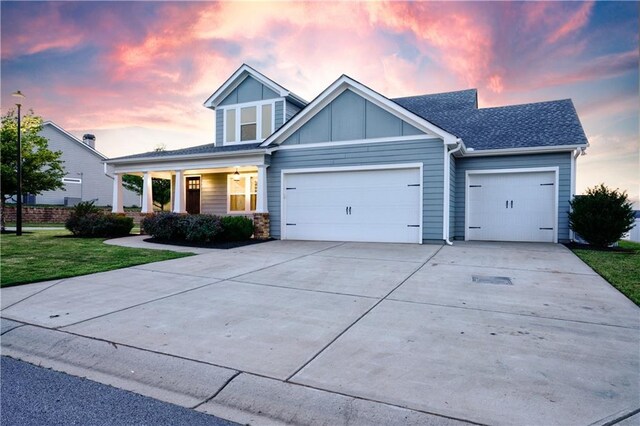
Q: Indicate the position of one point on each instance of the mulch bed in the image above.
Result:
(578, 246)
(213, 245)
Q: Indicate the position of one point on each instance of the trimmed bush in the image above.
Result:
(164, 226)
(197, 228)
(602, 216)
(201, 227)
(86, 220)
(236, 228)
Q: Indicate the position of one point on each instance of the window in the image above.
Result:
(242, 194)
(71, 180)
(253, 122)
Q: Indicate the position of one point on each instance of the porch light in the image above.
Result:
(236, 175)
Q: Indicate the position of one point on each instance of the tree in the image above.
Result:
(161, 189)
(601, 216)
(42, 169)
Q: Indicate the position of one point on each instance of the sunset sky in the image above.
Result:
(136, 73)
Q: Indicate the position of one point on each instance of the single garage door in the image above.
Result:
(381, 205)
(517, 206)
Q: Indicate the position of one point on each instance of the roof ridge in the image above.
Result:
(528, 103)
(435, 94)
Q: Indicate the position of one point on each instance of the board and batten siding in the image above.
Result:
(561, 160)
(250, 90)
(213, 193)
(350, 117)
(430, 152)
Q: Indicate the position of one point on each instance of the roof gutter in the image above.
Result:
(446, 220)
(183, 157)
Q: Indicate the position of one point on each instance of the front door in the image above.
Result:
(193, 195)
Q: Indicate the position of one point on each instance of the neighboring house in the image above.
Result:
(634, 234)
(85, 179)
(354, 165)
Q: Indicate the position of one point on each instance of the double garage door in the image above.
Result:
(379, 205)
(514, 206)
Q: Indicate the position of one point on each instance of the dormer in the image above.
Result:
(250, 107)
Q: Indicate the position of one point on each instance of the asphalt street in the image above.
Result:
(32, 395)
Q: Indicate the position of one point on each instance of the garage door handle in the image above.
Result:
(349, 211)
(346, 210)
(511, 203)
(506, 204)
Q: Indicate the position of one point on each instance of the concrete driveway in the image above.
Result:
(496, 333)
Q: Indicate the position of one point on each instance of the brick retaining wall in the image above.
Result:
(54, 214)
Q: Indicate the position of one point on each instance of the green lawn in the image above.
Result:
(622, 270)
(48, 255)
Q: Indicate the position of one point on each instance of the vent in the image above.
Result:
(485, 279)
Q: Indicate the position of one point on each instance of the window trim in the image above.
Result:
(247, 194)
(235, 108)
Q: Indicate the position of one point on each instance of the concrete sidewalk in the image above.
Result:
(347, 333)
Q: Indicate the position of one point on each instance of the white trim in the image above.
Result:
(555, 170)
(75, 139)
(72, 180)
(346, 83)
(247, 194)
(238, 77)
(283, 172)
(355, 142)
(219, 156)
(236, 109)
(524, 150)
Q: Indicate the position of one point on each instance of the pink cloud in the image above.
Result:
(578, 20)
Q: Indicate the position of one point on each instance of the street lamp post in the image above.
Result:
(19, 95)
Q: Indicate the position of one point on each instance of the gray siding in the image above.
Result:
(219, 127)
(560, 160)
(350, 117)
(250, 90)
(279, 105)
(290, 111)
(80, 159)
(213, 193)
(428, 152)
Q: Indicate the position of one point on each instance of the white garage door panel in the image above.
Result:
(512, 206)
(364, 205)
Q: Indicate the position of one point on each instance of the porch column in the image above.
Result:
(261, 201)
(147, 193)
(117, 194)
(179, 199)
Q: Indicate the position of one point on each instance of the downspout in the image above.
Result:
(574, 157)
(447, 189)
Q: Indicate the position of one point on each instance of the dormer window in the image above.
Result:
(249, 122)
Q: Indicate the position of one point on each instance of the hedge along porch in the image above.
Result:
(229, 182)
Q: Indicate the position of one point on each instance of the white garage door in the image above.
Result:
(381, 205)
(512, 206)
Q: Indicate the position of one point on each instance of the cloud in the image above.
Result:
(574, 23)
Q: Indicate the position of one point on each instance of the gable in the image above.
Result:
(250, 90)
(350, 117)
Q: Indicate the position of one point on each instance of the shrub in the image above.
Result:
(98, 224)
(602, 216)
(236, 228)
(164, 226)
(201, 227)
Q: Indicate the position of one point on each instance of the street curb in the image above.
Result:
(170, 379)
(236, 396)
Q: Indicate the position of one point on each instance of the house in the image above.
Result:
(634, 233)
(85, 179)
(354, 165)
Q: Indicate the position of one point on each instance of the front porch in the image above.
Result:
(232, 185)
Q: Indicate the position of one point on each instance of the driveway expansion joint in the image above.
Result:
(363, 315)
(216, 393)
(31, 295)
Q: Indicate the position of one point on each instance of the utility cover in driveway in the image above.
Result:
(482, 279)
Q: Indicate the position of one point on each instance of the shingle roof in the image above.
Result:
(547, 124)
(194, 150)
(449, 101)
